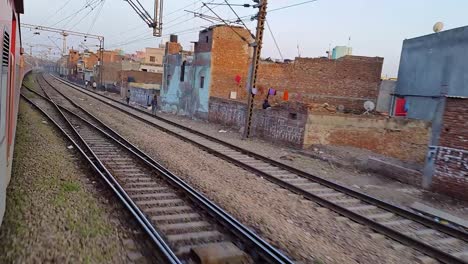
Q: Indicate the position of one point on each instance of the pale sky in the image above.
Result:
(376, 27)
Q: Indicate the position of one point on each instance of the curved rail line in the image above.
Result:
(441, 242)
(177, 216)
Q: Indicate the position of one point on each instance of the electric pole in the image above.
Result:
(64, 48)
(252, 80)
(65, 34)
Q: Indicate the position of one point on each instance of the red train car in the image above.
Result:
(11, 77)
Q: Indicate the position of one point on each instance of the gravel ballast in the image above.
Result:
(370, 183)
(57, 211)
(304, 230)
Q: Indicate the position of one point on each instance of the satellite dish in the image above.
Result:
(438, 27)
(369, 106)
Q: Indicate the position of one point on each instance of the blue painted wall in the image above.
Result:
(186, 97)
(432, 66)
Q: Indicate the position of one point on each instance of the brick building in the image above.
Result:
(152, 60)
(432, 84)
(219, 68)
(348, 81)
(190, 79)
(451, 155)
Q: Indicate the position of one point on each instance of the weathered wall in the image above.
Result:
(348, 81)
(283, 124)
(140, 77)
(186, 97)
(451, 164)
(229, 58)
(432, 66)
(395, 137)
(385, 98)
(213, 64)
(141, 96)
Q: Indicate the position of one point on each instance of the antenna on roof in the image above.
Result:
(298, 50)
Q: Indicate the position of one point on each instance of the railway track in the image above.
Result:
(183, 224)
(441, 242)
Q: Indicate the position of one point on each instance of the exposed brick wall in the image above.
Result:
(229, 58)
(404, 139)
(348, 81)
(451, 172)
(111, 72)
(275, 124)
(173, 48)
(451, 164)
(141, 77)
(455, 124)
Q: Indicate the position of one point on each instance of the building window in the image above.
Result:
(152, 59)
(168, 80)
(202, 81)
(182, 71)
(206, 39)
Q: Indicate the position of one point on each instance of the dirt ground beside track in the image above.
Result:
(370, 183)
(302, 229)
(57, 211)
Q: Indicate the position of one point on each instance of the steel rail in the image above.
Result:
(336, 186)
(422, 247)
(164, 249)
(261, 247)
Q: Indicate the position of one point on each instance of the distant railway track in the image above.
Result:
(441, 242)
(175, 216)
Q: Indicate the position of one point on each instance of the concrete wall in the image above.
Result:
(395, 137)
(385, 98)
(432, 66)
(451, 158)
(157, 53)
(186, 97)
(141, 96)
(283, 124)
(138, 80)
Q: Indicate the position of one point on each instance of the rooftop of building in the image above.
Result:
(443, 32)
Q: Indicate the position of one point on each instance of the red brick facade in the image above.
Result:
(348, 81)
(229, 58)
(451, 165)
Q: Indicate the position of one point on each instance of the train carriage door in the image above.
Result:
(12, 84)
(5, 50)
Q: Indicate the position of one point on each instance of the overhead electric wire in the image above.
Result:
(274, 40)
(96, 17)
(298, 4)
(182, 8)
(173, 25)
(72, 16)
(224, 21)
(56, 12)
(85, 16)
(235, 13)
(164, 16)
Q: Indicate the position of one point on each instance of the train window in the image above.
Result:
(4, 82)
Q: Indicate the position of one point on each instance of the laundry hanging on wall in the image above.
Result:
(285, 95)
(271, 91)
